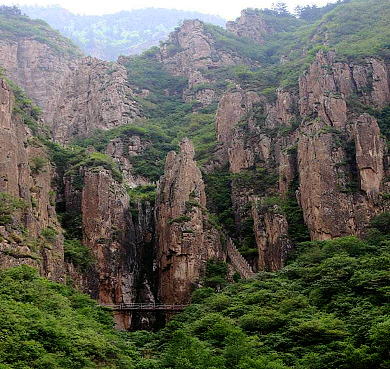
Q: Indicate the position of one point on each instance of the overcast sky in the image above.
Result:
(228, 9)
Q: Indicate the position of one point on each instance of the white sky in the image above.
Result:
(228, 9)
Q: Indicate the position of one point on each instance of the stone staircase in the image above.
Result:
(238, 261)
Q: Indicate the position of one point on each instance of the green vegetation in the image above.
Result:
(219, 198)
(77, 254)
(297, 228)
(328, 308)
(38, 164)
(48, 325)
(95, 160)
(383, 118)
(8, 206)
(179, 220)
(110, 35)
(14, 25)
(155, 142)
(141, 195)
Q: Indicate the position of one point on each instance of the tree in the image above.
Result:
(10, 10)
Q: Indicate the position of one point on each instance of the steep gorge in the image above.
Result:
(301, 160)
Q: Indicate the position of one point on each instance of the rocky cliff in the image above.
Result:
(250, 25)
(94, 96)
(298, 151)
(186, 238)
(29, 230)
(319, 143)
(191, 51)
(37, 67)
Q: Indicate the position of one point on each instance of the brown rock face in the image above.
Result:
(326, 169)
(250, 25)
(106, 225)
(120, 150)
(121, 245)
(370, 151)
(232, 108)
(95, 96)
(319, 142)
(26, 174)
(326, 86)
(271, 232)
(36, 67)
(186, 240)
(189, 52)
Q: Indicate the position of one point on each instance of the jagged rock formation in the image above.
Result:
(94, 96)
(190, 51)
(250, 25)
(332, 149)
(121, 150)
(72, 91)
(305, 161)
(33, 235)
(39, 68)
(186, 239)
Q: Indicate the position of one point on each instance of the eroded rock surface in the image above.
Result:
(186, 240)
(95, 96)
(33, 236)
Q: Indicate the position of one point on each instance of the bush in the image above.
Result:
(8, 205)
(78, 254)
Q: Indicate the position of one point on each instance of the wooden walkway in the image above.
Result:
(145, 307)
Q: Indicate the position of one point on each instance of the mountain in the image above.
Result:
(243, 170)
(123, 33)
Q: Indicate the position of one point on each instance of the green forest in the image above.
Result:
(328, 308)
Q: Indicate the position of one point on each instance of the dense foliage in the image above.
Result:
(48, 325)
(126, 32)
(328, 309)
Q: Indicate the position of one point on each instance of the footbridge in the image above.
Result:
(147, 307)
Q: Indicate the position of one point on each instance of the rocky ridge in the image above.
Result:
(311, 158)
(29, 232)
(186, 239)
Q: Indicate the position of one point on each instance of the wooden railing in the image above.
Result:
(145, 307)
(238, 261)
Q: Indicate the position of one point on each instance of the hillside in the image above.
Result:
(124, 33)
(242, 170)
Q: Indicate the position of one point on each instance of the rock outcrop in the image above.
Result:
(29, 233)
(250, 25)
(185, 237)
(318, 142)
(95, 96)
(190, 51)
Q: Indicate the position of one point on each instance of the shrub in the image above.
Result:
(8, 205)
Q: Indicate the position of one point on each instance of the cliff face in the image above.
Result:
(31, 234)
(186, 239)
(306, 161)
(36, 67)
(94, 96)
(250, 25)
(191, 51)
(319, 144)
(78, 95)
